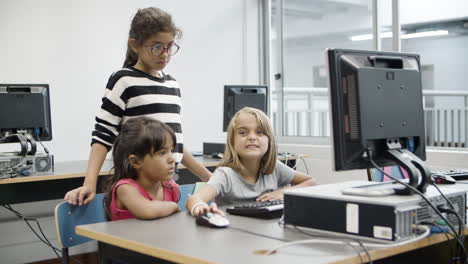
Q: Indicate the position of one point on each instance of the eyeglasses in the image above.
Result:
(158, 49)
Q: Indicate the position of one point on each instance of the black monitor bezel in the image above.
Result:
(47, 108)
(227, 92)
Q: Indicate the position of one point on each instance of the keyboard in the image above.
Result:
(266, 210)
(458, 175)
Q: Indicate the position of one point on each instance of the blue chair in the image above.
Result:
(394, 171)
(186, 190)
(68, 216)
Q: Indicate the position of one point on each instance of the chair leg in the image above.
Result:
(65, 256)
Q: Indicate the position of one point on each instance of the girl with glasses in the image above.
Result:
(140, 88)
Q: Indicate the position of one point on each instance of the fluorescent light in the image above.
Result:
(361, 37)
(404, 36)
(369, 36)
(425, 34)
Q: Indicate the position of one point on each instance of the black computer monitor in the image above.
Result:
(25, 109)
(377, 112)
(237, 97)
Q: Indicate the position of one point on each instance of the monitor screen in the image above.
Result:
(377, 110)
(237, 97)
(25, 108)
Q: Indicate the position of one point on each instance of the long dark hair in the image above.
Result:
(138, 136)
(146, 23)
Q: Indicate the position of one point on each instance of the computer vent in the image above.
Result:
(350, 88)
(427, 214)
(44, 164)
(405, 220)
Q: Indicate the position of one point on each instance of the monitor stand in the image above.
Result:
(416, 169)
(418, 172)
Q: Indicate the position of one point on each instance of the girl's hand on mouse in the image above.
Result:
(200, 209)
(214, 209)
(271, 196)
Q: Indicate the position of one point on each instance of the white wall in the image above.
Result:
(420, 11)
(75, 46)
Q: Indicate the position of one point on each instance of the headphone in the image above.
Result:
(24, 140)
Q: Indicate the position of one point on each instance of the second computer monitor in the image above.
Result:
(237, 97)
(377, 111)
(25, 109)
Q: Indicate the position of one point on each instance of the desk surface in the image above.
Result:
(177, 238)
(75, 169)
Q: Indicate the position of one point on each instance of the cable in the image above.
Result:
(341, 238)
(425, 233)
(458, 238)
(36, 133)
(12, 171)
(305, 163)
(446, 233)
(461, 223)
(44, 238)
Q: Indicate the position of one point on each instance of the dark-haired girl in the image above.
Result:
(142, 185)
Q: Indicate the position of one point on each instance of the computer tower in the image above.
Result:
(388, 218)
(13, 164)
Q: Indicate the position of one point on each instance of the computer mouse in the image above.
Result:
(212, 220)
(443, 179)
(217, 155)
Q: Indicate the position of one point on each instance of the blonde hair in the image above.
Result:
(231, 159)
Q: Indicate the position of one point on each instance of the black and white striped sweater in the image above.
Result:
(132, 93)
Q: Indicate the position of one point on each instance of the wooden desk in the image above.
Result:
(178, 239)
(67, 176)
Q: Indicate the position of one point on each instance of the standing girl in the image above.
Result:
(141, 88)
(249, 170)
(142, 185)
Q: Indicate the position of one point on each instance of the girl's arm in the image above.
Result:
(142, 208)
(299, 180)
(197, 203)
(195, 167)
(87, 192)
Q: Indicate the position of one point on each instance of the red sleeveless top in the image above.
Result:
(171, 193)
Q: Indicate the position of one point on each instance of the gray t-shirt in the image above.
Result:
(231, 188)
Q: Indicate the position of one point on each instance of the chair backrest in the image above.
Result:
(186, 190)
(394, 171)
(68, 216)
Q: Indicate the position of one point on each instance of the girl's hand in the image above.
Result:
(201, 208)
(271, 196)
(176, 208)
(214, 209)
(205, 208)
(81, 195)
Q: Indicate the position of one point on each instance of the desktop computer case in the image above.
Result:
(37, 164)
(389, 218)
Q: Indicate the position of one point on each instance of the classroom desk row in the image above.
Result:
(69, 175)
(177, 239)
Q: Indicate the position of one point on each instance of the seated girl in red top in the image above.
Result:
(142, 185)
